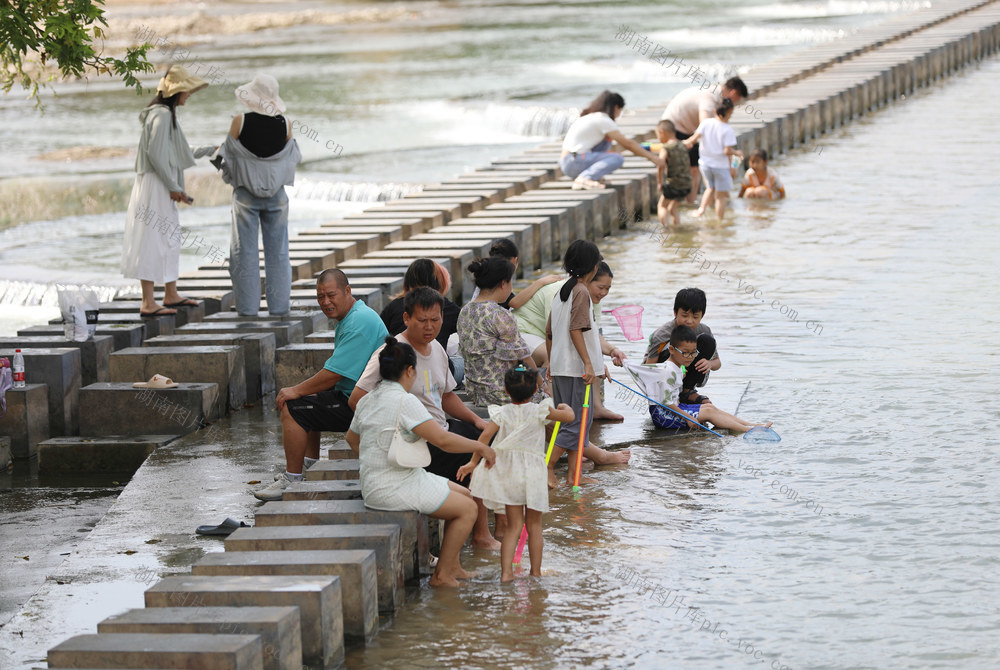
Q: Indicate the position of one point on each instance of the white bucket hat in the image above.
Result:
(261, 95)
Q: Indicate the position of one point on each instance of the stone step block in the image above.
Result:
(118, 408)
(294, 363)
(27, 420)
(311, 319)
(185, 313)
(339, 468)
(59, 369)
(224, 366)
(324, 489)
(152, 325)
(6, 455)
(413, 538)
(285, 332)
(94, 353)
(159, 650)
(356, 568)
(258, 354)
(341, 450)
(318, 600)
(321, 336)
(98, 454)
(123, 335)
(383, 539)
(278, 627)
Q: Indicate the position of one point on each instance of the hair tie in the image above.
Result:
(521, 367)
(387, 358)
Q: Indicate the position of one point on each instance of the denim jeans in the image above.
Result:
(270, 215)
(593, 164)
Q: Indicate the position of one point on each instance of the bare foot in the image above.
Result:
(460, 573)
(612, 457)
(437, 579)
(535, 574)
(506, 577)
(698, 214)
(553, 481)
(607, 415)
(583, 480)
(488, 542)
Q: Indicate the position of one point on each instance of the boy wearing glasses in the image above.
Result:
(684, 349)
(689, 308)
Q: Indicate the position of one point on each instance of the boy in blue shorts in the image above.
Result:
(683, 349)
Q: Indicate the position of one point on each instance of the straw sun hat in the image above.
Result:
(179, 80)
(261, 95)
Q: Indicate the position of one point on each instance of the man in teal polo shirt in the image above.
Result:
(320, 402)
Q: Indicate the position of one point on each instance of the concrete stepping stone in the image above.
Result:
(324, 489)
(464, 204)
(152, 325)
(60, 370)
(318, 600)
(118, 408)
(94, 352)
(6, 455)
(341, 450)
(27, 420)
(334, 469)
(278, 627)
(98, 454)
(225, 366)
(185, 313)
(322, 336)
(285, 332)
(123, 335)
(258, 354)
(415, 221)
(414, 539)
(356, 568)
(311, 319)
(159, 650)
(383, 539)
(294, 363)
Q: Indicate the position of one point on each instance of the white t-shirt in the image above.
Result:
(661, 382)
(587, 132)
(434, 378)
(716, 135)
(685, 109)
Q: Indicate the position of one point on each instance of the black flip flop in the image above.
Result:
(162, 311)
(224, 528)
(186, 302)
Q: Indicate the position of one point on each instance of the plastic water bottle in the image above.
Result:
(18, 369)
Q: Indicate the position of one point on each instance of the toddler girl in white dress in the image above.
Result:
(518, 483)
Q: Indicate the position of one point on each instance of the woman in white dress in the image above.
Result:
(389, 487)
(152, 244)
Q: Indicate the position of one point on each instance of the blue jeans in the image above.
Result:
(270, 215)
(593, 164)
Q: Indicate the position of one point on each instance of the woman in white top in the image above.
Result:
(389, 487)
(586, 150)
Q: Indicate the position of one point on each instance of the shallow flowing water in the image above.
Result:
(861, 310)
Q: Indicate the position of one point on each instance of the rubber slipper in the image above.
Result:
(162, 311)
(156, 382)
(224, 528)
(186, 302)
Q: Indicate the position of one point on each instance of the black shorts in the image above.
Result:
(327, 410)
(671, 193)
(693, 153)
(446, 464)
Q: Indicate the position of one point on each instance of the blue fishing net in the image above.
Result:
(761, 434)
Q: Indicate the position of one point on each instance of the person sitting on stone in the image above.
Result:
(321, 402)
(435, 388)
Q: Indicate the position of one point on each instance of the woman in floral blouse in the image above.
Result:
(488, 337)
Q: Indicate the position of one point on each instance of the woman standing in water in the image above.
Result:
(152, 245)
(586, 150)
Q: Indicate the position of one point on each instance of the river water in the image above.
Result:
(866, 538)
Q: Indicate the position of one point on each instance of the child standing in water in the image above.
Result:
(516, 485)
(718, 144)
(674, 181)
(574, 349)
(760, 181)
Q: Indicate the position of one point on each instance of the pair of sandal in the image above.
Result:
(169, 307)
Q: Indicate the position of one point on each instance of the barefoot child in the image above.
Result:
(677, 184)
(683, 349)
(760, 181)
(718, 144)
(599, 287)
(689, 308)
(516, 485)
(574, 348)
